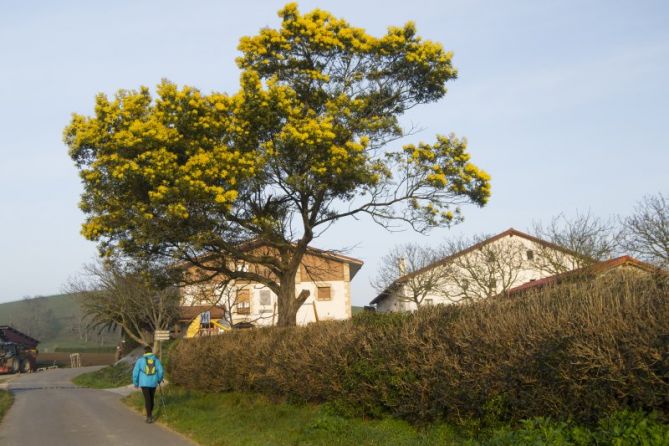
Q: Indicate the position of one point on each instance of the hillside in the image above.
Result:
(56, 321)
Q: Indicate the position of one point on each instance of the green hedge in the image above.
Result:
(579, 351)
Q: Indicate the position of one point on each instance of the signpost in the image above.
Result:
(161, 335)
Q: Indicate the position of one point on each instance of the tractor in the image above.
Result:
(15, 358)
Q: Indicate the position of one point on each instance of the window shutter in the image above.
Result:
(324, 293)
(265, 297)
(243, 302)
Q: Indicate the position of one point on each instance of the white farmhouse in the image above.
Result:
(485, 269)
(327, 276)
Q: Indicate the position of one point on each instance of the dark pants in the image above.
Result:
(149, 393)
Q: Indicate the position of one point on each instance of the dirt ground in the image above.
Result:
(63, 359)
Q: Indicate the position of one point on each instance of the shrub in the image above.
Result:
(580, 351)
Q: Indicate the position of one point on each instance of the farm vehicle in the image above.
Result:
(16, 358)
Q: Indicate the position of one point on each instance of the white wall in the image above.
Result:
(526, 273)
(338, 308)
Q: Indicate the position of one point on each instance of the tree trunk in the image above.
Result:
(286, 302)
(289, 303)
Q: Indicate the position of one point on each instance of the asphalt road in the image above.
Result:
(49, 410)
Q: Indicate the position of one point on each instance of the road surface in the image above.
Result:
(49, 410)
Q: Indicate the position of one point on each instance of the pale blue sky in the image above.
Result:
(563, 103)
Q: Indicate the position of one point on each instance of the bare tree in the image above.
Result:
(588, 237)
(485, 271)
(408, 268)
(114, 295)
(645, 234)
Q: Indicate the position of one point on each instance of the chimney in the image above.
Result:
(402, 266)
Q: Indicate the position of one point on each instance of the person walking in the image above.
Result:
(148, 374)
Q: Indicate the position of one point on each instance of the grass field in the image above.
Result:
(106, 378)
(238, 419)
(250, 420)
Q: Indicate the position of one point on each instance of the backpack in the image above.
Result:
(150, 366)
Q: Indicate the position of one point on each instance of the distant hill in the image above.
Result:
(56, 321)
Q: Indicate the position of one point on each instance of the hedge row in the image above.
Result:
(577, 351)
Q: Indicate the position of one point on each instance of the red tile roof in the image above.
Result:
(595, 268)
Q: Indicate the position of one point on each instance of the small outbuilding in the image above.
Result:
(10, 334)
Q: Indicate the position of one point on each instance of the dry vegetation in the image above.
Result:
(577, 351)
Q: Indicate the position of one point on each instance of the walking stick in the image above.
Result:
(162, 399)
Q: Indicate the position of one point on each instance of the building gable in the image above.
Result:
(511, 232)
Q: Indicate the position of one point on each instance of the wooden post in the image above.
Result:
(315, 312)
(75, 360)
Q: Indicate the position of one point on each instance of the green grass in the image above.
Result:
(232, 419)
(6, 400)
(250, 420)
(106, 378)
(356, 310)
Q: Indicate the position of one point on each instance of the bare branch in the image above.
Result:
(589, 238)
(645, 234)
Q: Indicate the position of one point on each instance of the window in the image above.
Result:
(530, 254)
(324, 293)
(265, 297)
(493, 284)
(243, 302)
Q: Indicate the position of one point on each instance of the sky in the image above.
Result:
(565, 104)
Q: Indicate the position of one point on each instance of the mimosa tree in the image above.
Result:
(308, 140)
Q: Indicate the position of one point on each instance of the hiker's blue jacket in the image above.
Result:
(141, 379)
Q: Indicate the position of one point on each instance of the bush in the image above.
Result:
(577, 351)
